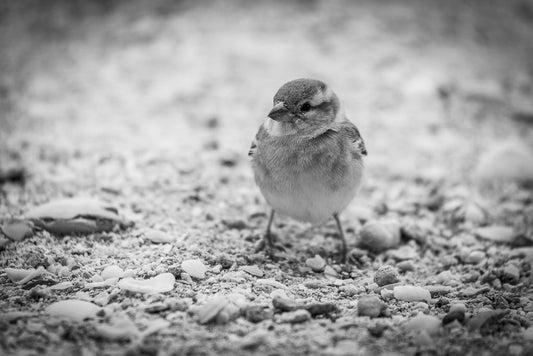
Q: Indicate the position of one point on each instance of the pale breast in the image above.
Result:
(308, 181)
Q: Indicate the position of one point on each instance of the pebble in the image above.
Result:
(421, 322)
(371, 306)
(118, 329)
(472, 292)
(456, 312)
(294, 317)
(510, 274)
(253, 270)
(505, 162)
(271, 282)
(62, 286)
(474, 257)
(330, 273)
(195, 268)
(17, 229)
(112, 271)
(438, 290)
(403, 253)
(387, 294)
(285, 304)
(61, 216)
(211, 308)
(257, 313)
(77, 310)
(159, 284)
(22, 276)
(317, 263)
(484, 318)
(496, 233)
(386, 275)
(411, 293)
(405, 266)
(321, 308)
(159, 237)
(380, 236)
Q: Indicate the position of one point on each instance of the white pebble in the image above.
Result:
(195, 268)
(411, 293)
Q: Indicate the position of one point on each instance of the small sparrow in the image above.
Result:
(307, 157)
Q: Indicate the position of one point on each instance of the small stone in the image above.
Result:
(411, 293)
(253, 270)
(321, 309)
(159, 284)
(379, 236)
(405, 266)
(438, 290)
(317, 263)
(496, 233)
(112, 271)
(195, 268)
(330, 273)
(285, 304)
(421, 322)
(505, 162)
(256, 313)
(209, 311)
(386, 275)
(159, 237)
(403, 253)
(73, 309)
(236, 224)
(510, 274)
(371, 306)
(23, 276)
(474, 257)
(470, 292)
(454, 314)
(295, 317)
(17, 229)
(483, 320)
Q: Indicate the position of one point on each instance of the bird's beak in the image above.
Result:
(280, 113)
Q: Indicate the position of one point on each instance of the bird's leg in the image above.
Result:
(344, 248)
(268, 240)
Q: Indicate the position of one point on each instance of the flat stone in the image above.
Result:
(294, 317)
(411, 293)
(159, 284)
(253, 270)
(159, 237)
(195, 268)
(496, 233)
(77, 310)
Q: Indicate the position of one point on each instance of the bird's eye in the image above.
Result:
(305, 107)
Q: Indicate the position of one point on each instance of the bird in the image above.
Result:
(307, 158)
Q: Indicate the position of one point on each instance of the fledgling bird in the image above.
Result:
(307, 157)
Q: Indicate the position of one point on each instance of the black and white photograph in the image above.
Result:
(266, 177)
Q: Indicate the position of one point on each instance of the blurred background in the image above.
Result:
(121, 96)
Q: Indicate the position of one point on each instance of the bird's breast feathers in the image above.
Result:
(309, 177)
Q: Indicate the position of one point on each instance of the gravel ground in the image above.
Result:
(151, 108)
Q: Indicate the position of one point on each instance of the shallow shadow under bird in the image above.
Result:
(307, 157)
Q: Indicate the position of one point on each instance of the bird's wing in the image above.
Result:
(261, 133)
(350, 130)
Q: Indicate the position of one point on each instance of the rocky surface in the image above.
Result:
(149, 108)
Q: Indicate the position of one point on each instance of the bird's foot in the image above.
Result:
(269, 245)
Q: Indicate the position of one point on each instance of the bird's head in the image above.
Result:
(306, 103)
